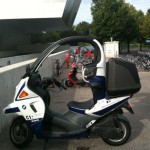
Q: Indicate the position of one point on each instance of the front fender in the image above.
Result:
(12, 108)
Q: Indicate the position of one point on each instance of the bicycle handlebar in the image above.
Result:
(47, 81)
(83, 75)
(58, 84)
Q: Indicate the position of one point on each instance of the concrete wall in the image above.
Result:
(16, 59)
(10, 77)
(34, 48)
(7, 53)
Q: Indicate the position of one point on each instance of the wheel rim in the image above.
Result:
(123, 131)
(19, 132)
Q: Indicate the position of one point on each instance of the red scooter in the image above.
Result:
(72, 77)
(73, 80)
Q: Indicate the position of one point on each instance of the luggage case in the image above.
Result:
(121, 77)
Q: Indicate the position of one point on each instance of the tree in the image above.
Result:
(145, 27)
(140, 19)
(70, 32)
(148, 12)
(131, 28)
(50, 37)
(115, 19)
(108, 19)
(83, 28)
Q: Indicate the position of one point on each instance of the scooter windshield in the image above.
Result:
(80, 48)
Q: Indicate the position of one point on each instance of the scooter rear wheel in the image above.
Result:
(68, 83)
(20, 134)
(126, 132)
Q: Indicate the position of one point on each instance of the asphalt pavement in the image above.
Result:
(140, 121)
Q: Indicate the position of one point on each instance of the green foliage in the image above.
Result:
(70, 32)
(116, 19)
(130, 31)
(119, 20)
(83, 28)
(145, 27)
(109, 18)
(148, 12)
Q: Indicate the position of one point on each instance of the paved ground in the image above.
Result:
(140, 122)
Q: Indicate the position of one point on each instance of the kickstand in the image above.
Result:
(46, 141)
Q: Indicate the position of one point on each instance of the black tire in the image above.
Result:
(68, 83)
(126, 132)
(20, 134)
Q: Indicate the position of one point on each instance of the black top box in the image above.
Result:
(121, 77)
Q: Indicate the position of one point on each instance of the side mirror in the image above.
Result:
(28, 69)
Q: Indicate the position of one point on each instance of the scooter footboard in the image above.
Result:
(11, 109)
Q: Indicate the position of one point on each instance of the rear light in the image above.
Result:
(23, 94)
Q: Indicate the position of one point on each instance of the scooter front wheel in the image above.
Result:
(68, 83)
(125, 130)
(20, 134)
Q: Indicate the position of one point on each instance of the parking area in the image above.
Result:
(140, 121)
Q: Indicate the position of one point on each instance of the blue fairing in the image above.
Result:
(46, 134)
(99, 83)
(35, 124)
(12, 110)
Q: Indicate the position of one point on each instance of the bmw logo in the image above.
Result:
(24, 107)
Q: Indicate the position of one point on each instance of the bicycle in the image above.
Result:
(57, 71)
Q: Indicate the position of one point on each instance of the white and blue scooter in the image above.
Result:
(101, 116)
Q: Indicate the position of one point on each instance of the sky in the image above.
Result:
(84, 12)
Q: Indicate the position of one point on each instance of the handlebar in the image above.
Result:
(59, 84)
(47, 81)
(90, 74)
(83, 75)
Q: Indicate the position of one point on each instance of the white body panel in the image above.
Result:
(28, 113)
(25, 104)
(103, 104)
(11, 106)
(101, 66)
(18, 87)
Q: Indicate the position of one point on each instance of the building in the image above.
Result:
(21, 18)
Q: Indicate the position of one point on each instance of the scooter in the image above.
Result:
(101, 116)
(72, 77)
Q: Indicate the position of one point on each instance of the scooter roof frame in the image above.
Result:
(68, 40)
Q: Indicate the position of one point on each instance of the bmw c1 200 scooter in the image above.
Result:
(101, 116)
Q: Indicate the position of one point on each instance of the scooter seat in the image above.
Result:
(81, 105)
